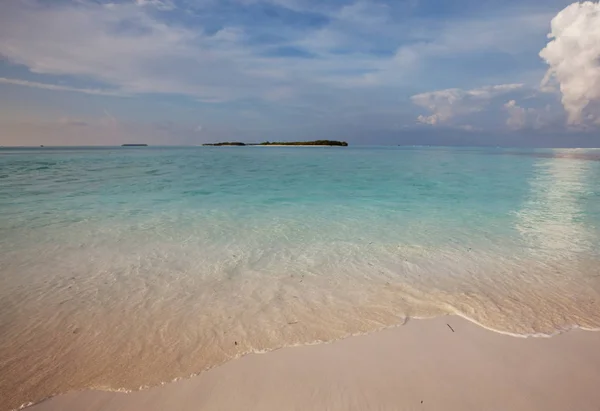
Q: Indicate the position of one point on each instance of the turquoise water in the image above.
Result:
(126, 267)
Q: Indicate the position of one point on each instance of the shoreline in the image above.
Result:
(445, 363)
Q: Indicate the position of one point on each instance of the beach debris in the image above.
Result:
(449, 326)
(235, 342)
(76, 330)
(293, 322)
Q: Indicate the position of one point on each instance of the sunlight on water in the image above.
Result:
(552, 219)
(126, 268)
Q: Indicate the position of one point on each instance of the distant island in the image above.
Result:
(226, 143)
(134, 145)
(306, 143)
(283, 143)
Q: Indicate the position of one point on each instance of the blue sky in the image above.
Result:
(370, 72)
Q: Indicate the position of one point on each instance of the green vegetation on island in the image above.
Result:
(226, 143)
(283, 143)
(305, 143)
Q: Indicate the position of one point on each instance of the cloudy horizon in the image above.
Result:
(180, 72)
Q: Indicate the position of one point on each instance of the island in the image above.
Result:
(226, 143)
(134, 145)
(306, 143)
(283, 143)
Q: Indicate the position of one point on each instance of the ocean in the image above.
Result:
(123, 268)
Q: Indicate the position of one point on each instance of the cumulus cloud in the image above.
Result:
(516, 115)
(573, 55)
(446, 105)
(532, 117)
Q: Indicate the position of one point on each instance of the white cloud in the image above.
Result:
(454, 38)
(127, 49)
(45, 86)
(516, 115)
(229, 34)
(532, 117)
(124, 46)
(573, 55)
(164, 5)
(446, 105)
(364, 13)
(363, 26)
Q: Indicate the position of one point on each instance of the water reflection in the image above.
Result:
(551, 221)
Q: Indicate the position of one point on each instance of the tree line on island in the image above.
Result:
(282, 143)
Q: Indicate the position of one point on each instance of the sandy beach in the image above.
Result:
(445, 363)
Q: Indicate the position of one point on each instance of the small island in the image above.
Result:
(330, 143)
(226, 143)
(134, 145)
(306, 143)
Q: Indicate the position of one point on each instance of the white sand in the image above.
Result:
(420, 366)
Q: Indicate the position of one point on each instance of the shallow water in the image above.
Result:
(128, 267)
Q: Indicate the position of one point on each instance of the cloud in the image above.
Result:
(534, 118)
(289, 63)
(364, 13)
(164, 5)
(516, 115)
(215, 54)
(446, 105)
(54, 87)
(132, 48)
(426, 41)
(573, 55)
(123, 45)
(229, 34)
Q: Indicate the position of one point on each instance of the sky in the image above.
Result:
(180, 72)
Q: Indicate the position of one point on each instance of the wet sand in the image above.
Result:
(445, 363)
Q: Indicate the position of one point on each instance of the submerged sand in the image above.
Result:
(445, 363)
